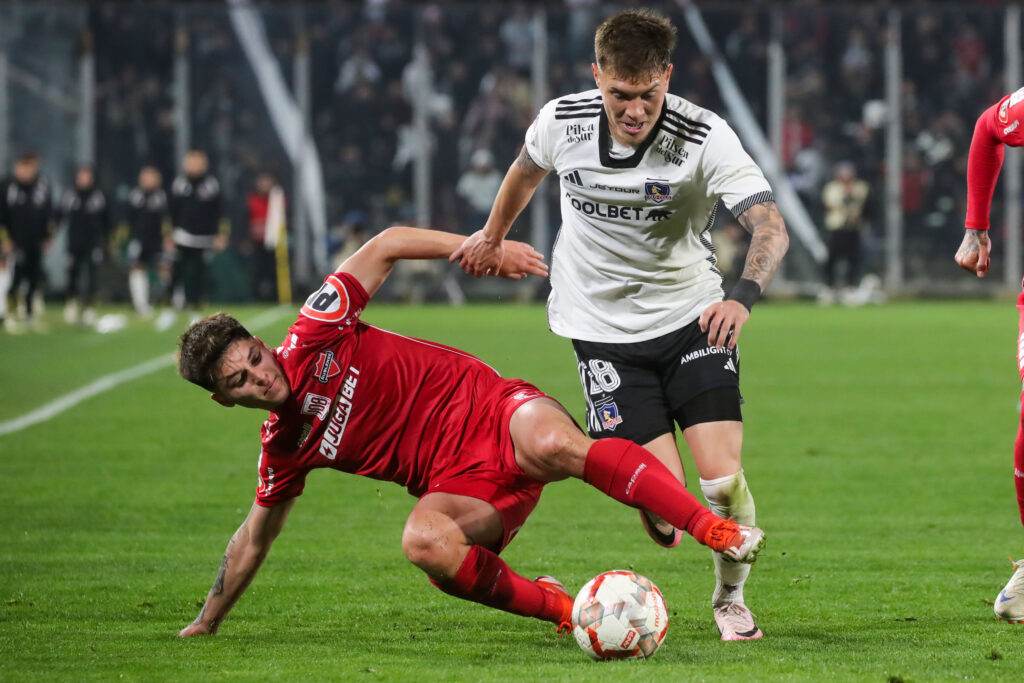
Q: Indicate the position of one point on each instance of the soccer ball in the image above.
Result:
(619, 614)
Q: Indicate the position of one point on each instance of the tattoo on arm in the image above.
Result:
(768, 243)
(973, 242)
(526, 162)
(218, 585)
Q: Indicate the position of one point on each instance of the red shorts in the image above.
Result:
(486, 468)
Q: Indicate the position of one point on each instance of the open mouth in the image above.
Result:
(632, 128)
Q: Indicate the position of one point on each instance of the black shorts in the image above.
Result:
(640, 390)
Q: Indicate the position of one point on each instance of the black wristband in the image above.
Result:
(747, 292)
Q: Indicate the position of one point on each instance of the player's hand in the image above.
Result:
(478, 255)
(719, 319)
(975, 252)
(521, 260)
(196, 628)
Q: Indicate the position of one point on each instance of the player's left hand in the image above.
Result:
(721, 318)
(521, 260)
(478, 255)
(195, 629)
(975, 252)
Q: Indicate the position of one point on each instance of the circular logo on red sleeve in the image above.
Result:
(328, 304)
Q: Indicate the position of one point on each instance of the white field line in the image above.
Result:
(107, 382)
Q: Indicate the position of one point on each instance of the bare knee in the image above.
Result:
(433, 542)
(554, 453)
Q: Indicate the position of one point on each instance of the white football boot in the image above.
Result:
(1009, 604)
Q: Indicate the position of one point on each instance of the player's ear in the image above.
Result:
(221, 400)
(593, 69)
(668, 73)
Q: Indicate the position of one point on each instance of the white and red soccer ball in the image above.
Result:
(619, 614)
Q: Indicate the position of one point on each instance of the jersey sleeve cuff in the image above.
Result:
(759, 198)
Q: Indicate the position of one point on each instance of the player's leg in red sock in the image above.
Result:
(631, 475)
(435, 540)
(486, 578)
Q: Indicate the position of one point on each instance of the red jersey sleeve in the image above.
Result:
(999, 125)
(277, 483)
(337, 305)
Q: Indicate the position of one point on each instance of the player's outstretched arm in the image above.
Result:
(372, 264)
(242, 559)
(481, 253)
(984, 161)
(768, 244)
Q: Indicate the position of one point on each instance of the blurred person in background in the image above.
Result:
(478, 187)
(196, 217)
(1000, 125)
(84, 211)
(844, 199)
(148, 225)
(27, 216)
(260, 245)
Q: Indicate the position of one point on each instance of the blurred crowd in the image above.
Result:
(474, 83)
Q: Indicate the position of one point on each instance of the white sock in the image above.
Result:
(729, 497)
(5, 285)
(138, 285)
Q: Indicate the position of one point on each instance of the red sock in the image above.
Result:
(485, 578)
(1018, 464)
(632, 475)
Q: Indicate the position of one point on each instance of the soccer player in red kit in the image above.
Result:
(999, 125)
(475, 449)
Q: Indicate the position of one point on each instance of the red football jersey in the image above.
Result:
(375, 403)
(1001, 124)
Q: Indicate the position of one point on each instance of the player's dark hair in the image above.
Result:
(203, 345)
(635, 44)
(27, 157)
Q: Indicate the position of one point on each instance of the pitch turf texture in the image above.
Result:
(878, 447)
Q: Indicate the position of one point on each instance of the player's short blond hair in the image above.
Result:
(635, 44)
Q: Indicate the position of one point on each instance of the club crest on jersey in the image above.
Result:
(657, 191)
(326, 367)
(608, 414)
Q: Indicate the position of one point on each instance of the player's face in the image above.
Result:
(250, 376)
(632, 108)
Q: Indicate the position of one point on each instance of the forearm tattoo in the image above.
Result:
(768, 243)
(218, 585)
(974, 240)
(525, 162)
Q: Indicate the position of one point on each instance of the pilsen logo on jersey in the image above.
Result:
(342, 410)
(657, 191)
(326, 367)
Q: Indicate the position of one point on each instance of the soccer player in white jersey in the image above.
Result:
(634, 283)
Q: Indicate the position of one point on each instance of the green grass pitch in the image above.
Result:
(878, 447)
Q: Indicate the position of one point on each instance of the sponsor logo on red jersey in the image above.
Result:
(339, 419)
(315, 404)
(326, 367)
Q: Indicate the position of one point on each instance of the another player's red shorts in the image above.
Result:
(486, 468)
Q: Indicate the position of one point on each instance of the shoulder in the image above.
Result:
(136, 197)
(689, 121)
(1009, 117)
(181, 185)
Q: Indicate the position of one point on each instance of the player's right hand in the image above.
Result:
(975, 252)
(521, 260)
(478, 255)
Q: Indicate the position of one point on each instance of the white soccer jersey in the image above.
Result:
(633, 260)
